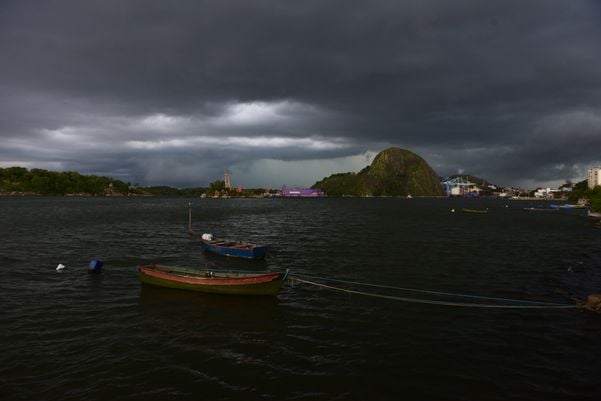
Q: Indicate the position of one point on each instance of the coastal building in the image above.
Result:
(594, 177)
(227, 180)
(459, 186)
(544, 193)
(302, 192)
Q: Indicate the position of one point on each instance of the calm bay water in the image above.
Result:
(75, 336)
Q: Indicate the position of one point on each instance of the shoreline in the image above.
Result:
(82, 195)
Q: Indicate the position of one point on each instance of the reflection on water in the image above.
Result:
(182, 304)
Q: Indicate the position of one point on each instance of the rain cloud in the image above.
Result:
(278, 92)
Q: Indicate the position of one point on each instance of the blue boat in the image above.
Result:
(237, 249)
(567, 206)
(578, 209)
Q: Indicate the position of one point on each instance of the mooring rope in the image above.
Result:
(434, 302)
(452, 294)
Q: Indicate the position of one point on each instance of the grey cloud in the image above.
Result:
(498, 89)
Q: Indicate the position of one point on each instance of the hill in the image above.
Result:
(394, 172)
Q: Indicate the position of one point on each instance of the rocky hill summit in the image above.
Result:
(393, 172)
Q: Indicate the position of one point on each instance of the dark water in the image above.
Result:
(76, 336)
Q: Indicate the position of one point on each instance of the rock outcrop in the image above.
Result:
(393, 172)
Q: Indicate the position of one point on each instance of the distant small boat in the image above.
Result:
(573, 209)
(481, 211)
(594, 215)
(215, 282)
(238, 249)
(568, 206)
(539, 209)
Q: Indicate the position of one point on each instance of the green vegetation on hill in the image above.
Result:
(343, 184)
(581, 190)
(43, 182)
(394, 172)
(21, 181)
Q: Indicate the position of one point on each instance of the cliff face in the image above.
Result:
(394, 172)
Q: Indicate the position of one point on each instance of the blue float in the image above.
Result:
(95, 266)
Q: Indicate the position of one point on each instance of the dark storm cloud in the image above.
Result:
(174, 92)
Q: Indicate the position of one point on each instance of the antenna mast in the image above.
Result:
(189, 218)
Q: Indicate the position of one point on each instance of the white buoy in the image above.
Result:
(60, 267)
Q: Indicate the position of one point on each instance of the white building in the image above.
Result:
(594, 177)
(543, 193)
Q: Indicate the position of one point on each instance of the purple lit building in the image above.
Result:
(302, 192)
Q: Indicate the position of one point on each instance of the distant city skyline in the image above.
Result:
(277, 92)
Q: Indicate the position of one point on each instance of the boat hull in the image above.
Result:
(212, 282)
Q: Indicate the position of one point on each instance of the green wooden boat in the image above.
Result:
(215, 282)
(480, 211)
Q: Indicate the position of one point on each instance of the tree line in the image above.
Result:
(43, 182)
(20, 180)
(581, 190)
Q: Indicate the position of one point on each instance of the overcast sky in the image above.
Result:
(288, 92)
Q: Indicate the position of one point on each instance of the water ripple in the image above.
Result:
(74, 335)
